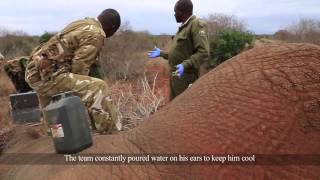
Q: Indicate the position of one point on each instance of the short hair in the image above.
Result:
(185, 6)
(110, 17)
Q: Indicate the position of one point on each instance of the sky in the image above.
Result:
(156, 16)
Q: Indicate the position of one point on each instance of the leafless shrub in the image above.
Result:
(217, 22)
(306, 30)
(136, 101)
(283, 35)
(123, 54)
(16, 43)
(5, 32)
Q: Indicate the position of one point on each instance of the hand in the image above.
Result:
(154, 53)
(180, 70)
(44, 65)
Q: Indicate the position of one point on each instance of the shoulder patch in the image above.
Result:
(202, 33)
(202, 23)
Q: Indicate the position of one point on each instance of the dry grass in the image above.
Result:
(137, 100)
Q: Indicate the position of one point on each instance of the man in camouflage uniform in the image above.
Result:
(63, 64)
(15, 69)
(189, 50)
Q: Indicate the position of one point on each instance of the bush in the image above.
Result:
(283, 35)
(218, 22)
(228, 37)
(137, 100)
(122, 56)
(45, 37)
(306, 30)
(227, 44)
(16, 45)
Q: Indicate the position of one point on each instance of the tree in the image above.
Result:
(228, 37)
(305, 30)
(45, 37)
(218, 22)
(229, 43)
(283, 34)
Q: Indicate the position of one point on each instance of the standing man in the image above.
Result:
(190, 49)
(63, 64)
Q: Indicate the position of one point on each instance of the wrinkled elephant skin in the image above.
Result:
(263, 101)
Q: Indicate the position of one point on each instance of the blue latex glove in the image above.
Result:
(154, 53)
(180, 70)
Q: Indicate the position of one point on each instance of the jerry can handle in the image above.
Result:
(57, 97)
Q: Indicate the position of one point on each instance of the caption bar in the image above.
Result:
(161, 159)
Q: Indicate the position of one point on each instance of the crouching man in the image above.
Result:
(63, 64)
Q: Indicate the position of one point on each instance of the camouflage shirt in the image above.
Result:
(16, 65)
(190, 46)
(15, 69)
(74, 49)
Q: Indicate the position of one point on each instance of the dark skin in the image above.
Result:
(180, 15)
(110, 31)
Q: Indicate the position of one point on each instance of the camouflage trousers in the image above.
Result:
(92, 91)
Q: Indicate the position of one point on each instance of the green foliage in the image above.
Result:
(227, 44)
(45, 37)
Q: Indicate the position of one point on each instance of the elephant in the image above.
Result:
(263, 101)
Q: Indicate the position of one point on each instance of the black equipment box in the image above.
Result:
(25, 107)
